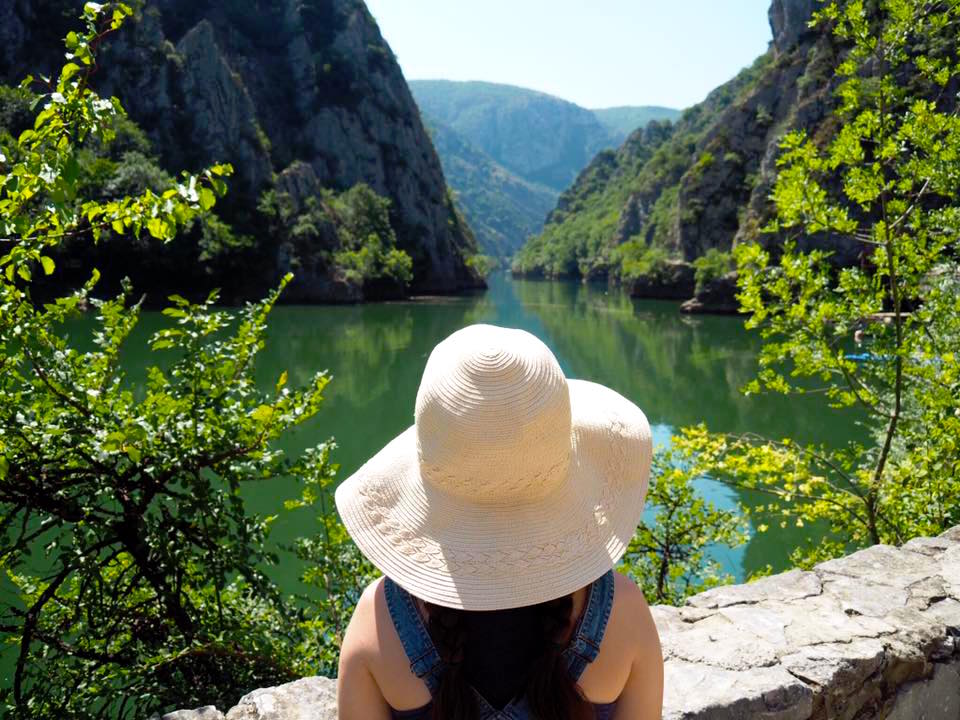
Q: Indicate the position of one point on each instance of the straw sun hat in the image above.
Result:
(514, 486)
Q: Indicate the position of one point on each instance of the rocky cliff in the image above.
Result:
(263, 86)
(872, 635)
(704, 183)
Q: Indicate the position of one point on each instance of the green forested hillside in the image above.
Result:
(502, 208)
(630, 194)
(670, 195)
(509, 151)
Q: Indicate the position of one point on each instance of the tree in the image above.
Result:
(139, 570)
(668, 556)
(345, 235)
(887, 184)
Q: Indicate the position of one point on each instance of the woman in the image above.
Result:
(497, 519)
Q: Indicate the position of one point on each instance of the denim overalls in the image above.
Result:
(425, 661)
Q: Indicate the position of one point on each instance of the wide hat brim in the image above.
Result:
(497, 555)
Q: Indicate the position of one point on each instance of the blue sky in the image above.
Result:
(597, 53)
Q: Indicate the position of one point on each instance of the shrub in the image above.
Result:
(348, 235)
(710, 266)
(668, 555)
(137, 569)
(638, 260)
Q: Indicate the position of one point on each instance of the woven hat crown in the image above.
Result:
(493, 416)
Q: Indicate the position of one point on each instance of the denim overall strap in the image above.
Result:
(585, 644)
(425, 661)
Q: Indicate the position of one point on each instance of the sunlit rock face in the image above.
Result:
(788, 21)
(874, 635)
(264, 86)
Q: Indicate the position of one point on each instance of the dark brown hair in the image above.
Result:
(505, 654)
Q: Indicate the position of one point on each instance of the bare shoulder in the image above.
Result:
(631, 615)
(360, 640)
(630, 640)
(641, 695)
(370, 597)
(372, 645)
(359, 691)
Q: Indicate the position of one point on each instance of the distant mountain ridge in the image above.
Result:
(510, 151)
(623, 120)
(540, 137)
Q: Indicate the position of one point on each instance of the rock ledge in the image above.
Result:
(872, 635)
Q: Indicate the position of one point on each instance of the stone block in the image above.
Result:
(791, 585)
(882, 565)
(859, 597)
(207, 712)
(311, 698)
(929, 546)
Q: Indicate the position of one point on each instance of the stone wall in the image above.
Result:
(874, 635)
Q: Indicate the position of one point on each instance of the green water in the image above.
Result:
(680, 370)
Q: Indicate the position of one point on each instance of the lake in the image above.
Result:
(680, 370)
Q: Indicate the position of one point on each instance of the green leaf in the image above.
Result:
(48, 265)
(69, 70)
(114, 441)
(156, 228)
(71, 170)
(24, 273)
(207, 198)
(262, 414)
(4, 467)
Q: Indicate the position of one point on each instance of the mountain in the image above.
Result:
(621, 121)
(539, 137)
(672, 194)
(502, 208)
(509, 151)
(303, 97)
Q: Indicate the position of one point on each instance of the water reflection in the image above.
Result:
(680, 370)
(683, 371)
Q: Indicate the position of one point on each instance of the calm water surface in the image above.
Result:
(680, 370)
